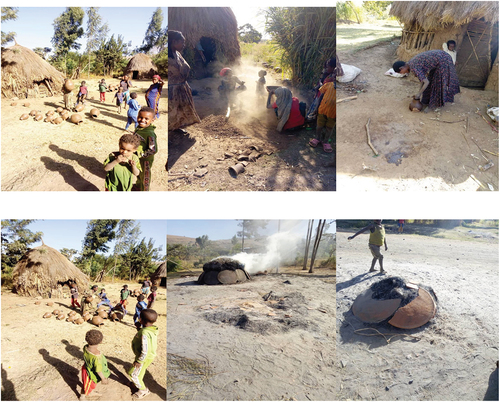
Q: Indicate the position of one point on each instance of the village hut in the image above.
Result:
(473, 25)
(159, 278)
(213, 29)
(141, 67)
(43, 271)
(26, 75)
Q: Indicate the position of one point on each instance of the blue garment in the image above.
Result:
(138, 308)
(132, 113)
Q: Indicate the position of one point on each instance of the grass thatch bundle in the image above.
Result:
(438, 14)
(160, 275)
(140, 67)
(42, 269)
(25, 74)
(307, 35)
(222, 263)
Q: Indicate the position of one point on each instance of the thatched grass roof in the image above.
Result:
(22, 68)
(41, 269)
(161, 272)
(141, 62)
(439, 14)
(214, 22)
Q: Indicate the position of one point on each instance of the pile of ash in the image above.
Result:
(219, 126)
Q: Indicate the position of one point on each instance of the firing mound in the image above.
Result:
(403, 304)
(223, 270)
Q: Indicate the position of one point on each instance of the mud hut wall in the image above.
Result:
(492, 83)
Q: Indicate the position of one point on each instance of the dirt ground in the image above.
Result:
(416, 151)
(453, 356)
(200, 159)
(227, 343)
(38, 352)
(39, 156)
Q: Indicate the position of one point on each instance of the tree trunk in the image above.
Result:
(243, 237)
(319, 233)
(308, 242)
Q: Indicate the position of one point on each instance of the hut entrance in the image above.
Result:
(474, 58)
(135, 75)
(209, 46)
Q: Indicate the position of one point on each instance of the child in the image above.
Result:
(102, 91)
(144, 347)
(152, 297)
(120, 311)
(95, 369)
(377, 240)
(74, 296)
(67, 93)
(145, 286)
(104, 299)
(124, 295)
(327, 112)
(449, 47)
(148, 147)
(228, 86)
(141, 305)
(133, 110)
(261, 83)
(82, 94)
(120, 96)
(121, 166)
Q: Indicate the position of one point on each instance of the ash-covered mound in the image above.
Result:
(222, 263)
(223, 270)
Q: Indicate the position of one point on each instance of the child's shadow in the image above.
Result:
(67, 372)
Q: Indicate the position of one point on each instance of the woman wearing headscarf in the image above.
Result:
(438, 76)
(287, 108)
(153, 94)
(181, 110)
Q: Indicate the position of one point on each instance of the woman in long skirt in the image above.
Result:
(438, 76)
(153, 94)
(181, 110)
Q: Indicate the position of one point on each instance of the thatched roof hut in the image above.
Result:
(160, 275)
(473, 25)
(42, 269)
(26, 75)
(141, 67)
(215, 29)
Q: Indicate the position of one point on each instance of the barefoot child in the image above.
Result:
(120, 96)
(133, 110)
(144, 347)
(95, 367)
(377, 240)
(148, 147)
(121, 166)
(325, 122)
(102, 91)
(141, 305)
(124, 294)
(152, 297)
(74, 296)
(82, 93)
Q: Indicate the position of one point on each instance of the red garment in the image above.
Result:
(83, 90)
(102, 96)
(295, 119)
(75, 303)
(88, 384)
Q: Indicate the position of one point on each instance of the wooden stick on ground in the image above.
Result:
(347, 99)
(368, 137)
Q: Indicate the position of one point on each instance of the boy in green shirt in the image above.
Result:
(144, 347)
(377, 240)
(123, 165)
(148, 147)
(95, 369)
(124, 295)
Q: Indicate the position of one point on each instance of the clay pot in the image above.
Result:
(24, 116)
(57, 120)
(50, 304)
(77, 119)
(79, 321)
(97, 321)
(68, 86)
(47, 315)
(103, 314)
(38, 117)
(71, 318)
(415, 105)
(60, 317)
(87, 316)
(49, 113)
(88, 299)
(59, 110)
(48, 119)
(26, 104)
(95, 112)
(37, 303)
(71, 313)
(65, 115)
(33, 112)
(56, 312)
(13, 104)
(79, 107)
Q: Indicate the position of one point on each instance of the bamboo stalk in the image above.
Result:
(368, 137)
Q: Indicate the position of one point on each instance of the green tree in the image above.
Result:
(140, 258)
(248, 34)
(96, 32)
(42, 51)
(68, 253)
(127, 234)
(155, 36)
(250, 229)
(8, 13)
(16, 239)
(110, 53)
(67, 30)
(99, 232)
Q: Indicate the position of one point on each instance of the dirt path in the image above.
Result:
(453, 356)
(246, 348)
(416, 152)
(199, 160)
(39, 156)
(37, 351)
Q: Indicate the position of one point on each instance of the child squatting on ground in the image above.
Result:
(148, 147)
(95, 367)
(121, 166)
(133, 110)
(144, 347)
(377, 240)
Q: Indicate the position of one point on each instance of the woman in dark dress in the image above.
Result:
(438, 76)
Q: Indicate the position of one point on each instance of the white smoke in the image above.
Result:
(281, 248)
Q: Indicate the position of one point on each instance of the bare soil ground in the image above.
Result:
(42, 358)
(416, 151)
(199, 160)
(228, 343)
(453, 356)
(39, 156)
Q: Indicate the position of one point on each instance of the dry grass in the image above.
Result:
(143, 64)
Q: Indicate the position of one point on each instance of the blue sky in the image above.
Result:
(60, 234)
(226, 229)
(34, 24)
